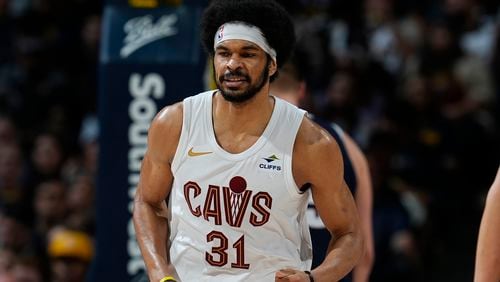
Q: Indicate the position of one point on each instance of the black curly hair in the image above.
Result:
(272, 19)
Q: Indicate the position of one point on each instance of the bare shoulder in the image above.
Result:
(164, 132)
(312, 138)
(315, 151)
(170, 116)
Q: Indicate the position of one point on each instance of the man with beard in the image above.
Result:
(226, 178)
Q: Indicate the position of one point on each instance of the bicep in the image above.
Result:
(156, 175)
(155, 180)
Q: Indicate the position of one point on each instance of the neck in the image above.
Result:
(238, 125)
(258, 109)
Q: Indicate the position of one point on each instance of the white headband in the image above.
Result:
(243, 31)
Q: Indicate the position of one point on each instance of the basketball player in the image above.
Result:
(291, 87)
(488, 247)
(237, 166)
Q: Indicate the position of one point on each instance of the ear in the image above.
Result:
(272, 67)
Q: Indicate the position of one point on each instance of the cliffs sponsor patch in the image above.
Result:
(272, 163)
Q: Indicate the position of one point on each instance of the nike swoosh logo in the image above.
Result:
(191, 153)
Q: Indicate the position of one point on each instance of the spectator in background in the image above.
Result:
(382, 34)
(26, 269)
(13, 191)
(8, 132)
(6, 259)
(472, 23)
(80, 204)
(49, 205)
(89, 141)
(462, 81)
(86, 80)
(70, 254)
(15, 232)
(47, 158)
(79, 172)
(85, 160)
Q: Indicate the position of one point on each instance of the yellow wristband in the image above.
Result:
(168, 279)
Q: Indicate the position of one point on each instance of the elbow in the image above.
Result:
(367, 257)
(361, 250)
(139, 208)
(358, 245)
(143, 207)
(136, 208)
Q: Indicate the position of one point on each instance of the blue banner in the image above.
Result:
(149, 58)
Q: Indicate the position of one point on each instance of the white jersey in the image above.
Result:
(236, 217)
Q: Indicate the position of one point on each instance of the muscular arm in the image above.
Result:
(150, 210)
(364, 200)
(488, 248)
(318, 161)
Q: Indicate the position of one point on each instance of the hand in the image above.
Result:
(291, 275)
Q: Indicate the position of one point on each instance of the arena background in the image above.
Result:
(416, 83)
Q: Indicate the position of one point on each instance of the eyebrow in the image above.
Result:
(251, 47)
(247, 47)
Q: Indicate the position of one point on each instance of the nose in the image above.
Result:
(233, 63)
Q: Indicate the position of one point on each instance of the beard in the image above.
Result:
(236, 95)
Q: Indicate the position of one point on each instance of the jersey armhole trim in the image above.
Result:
(182, 144)
(288, 163)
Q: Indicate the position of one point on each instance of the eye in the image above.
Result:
(248, 55)
(223, 53)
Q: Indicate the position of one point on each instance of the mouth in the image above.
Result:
(234, 82)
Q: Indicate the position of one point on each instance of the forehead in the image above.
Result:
(237, 44)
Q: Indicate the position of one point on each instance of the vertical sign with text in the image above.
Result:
(149, 58)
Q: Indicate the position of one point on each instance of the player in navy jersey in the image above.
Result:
(291, 86)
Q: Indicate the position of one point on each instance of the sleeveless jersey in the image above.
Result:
(236, 217)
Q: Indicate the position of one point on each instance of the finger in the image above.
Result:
(282, 273)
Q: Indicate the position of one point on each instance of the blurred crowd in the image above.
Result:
(48, 138)
(416, 83)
